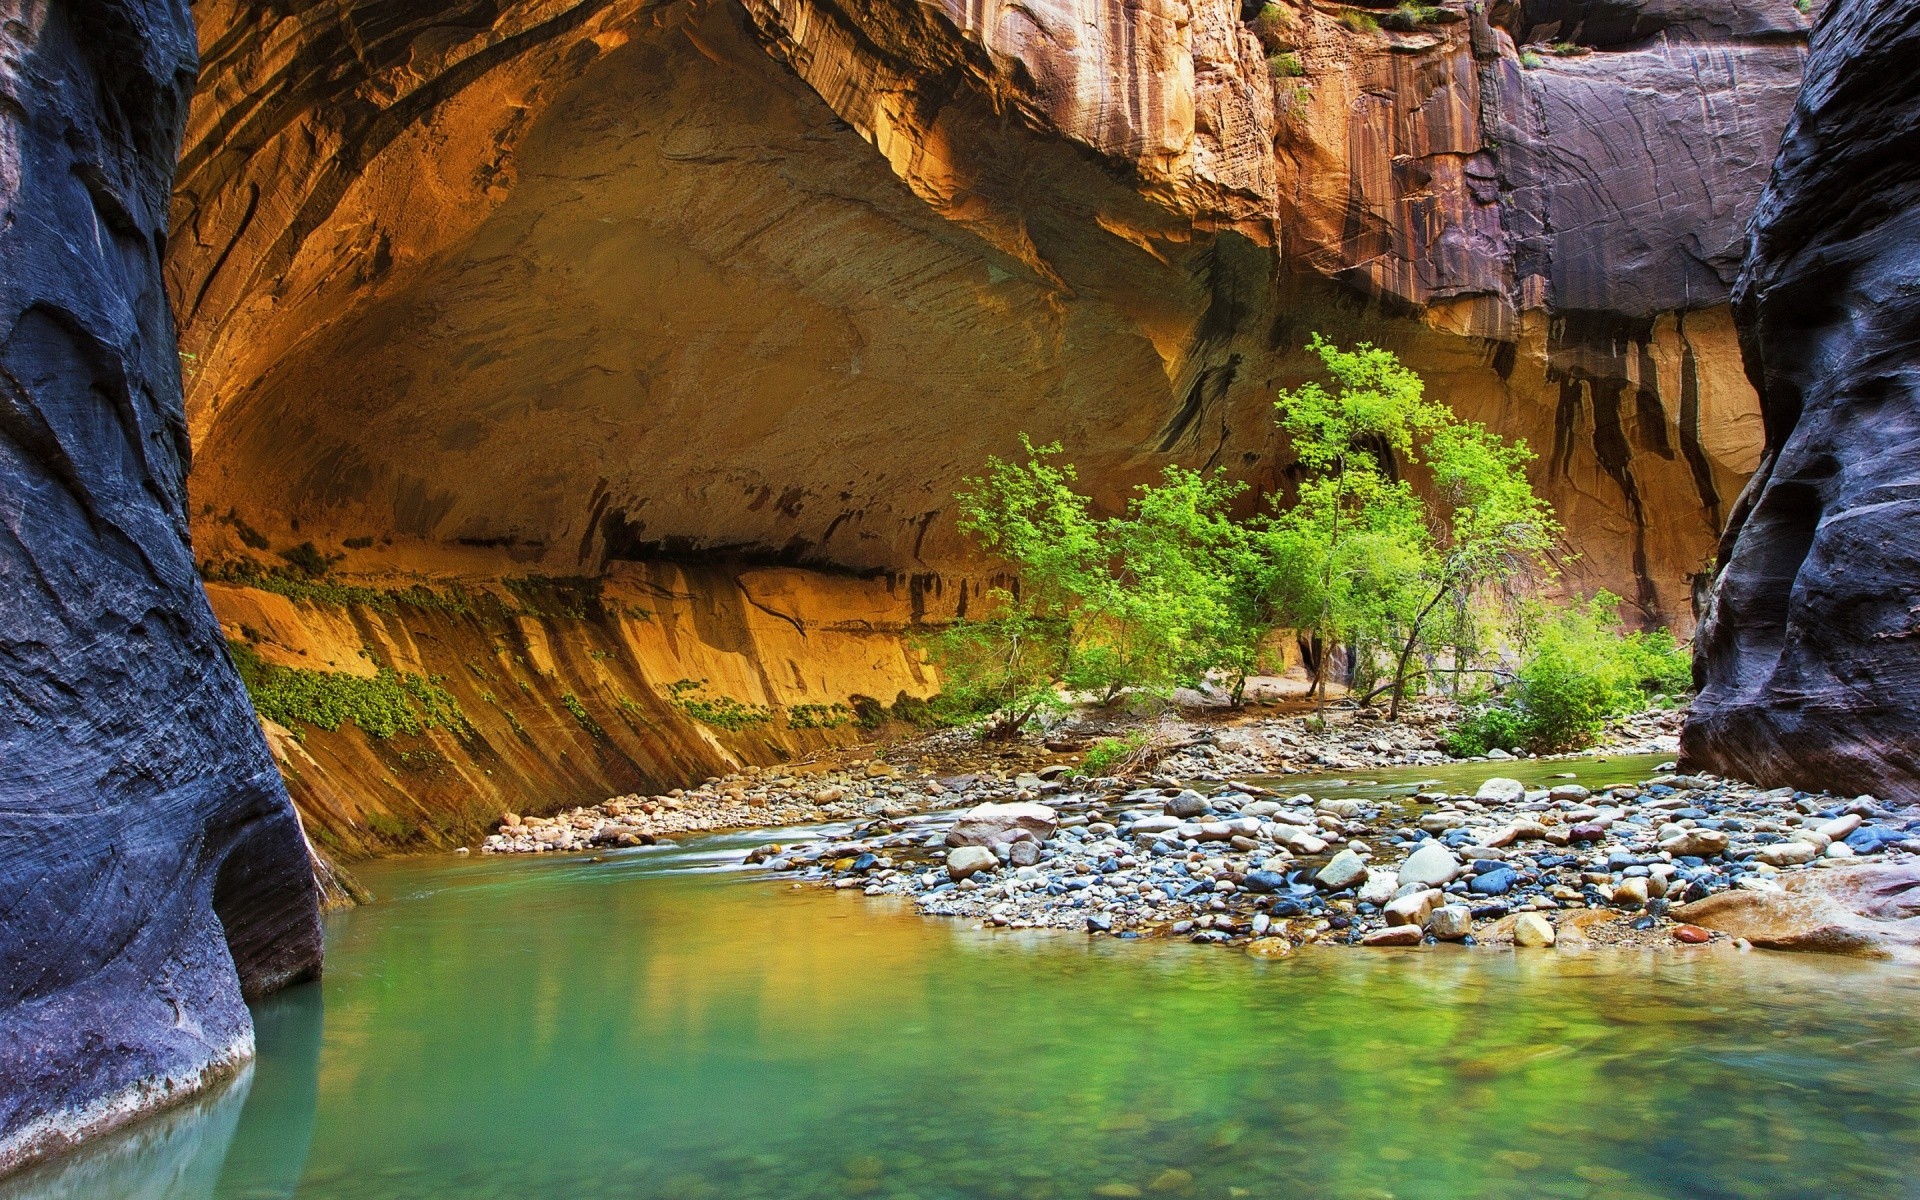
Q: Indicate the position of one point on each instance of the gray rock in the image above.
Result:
(1345, 870)
(1002, 824)
(963, 862)
(1500, 790)
(1432, 865)
(1450, 922)
(1187, 804)
(152, 871)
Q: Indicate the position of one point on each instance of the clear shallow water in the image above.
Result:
(649, 1026)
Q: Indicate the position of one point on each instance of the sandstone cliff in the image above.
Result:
(542, 694)
(1808, 658)
(606, 281)
(152, 872)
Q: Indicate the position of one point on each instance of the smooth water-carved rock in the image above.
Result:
(1810, 658)
(152, 872)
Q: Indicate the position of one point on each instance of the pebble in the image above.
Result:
(1345, 870)
(1450, 922)
(1532, 929)
(1432, 865)
(964, 862)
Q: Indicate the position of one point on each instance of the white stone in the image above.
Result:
(1532, 929)
(966, 861)
(1501, 790)
(1432, 865)
(1450, 922)
(1344, 871)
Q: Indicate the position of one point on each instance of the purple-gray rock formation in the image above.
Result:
(152, 872)
(1809, 657)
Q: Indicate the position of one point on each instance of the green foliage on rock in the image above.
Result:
(719, 712)
(1576, 673)
(389, 703)
(296, 583)
(572, 704)
(818, 716)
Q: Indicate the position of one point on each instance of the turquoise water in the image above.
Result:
(651, 1026)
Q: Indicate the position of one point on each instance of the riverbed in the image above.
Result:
(661, 1023)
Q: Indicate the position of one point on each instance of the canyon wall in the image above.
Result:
(474, 292)
(1807, 659)
(152, 872)
(610, 281)
(541, 694)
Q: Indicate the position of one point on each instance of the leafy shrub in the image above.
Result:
(1410, 16)
(1531, 59)
(1576, 673)
(1273, 26)
(1286, 65)
(1487, 727)
(1360, 22)
(307, 559)
(1570, 50)
(1107, 754)
(720, 712)
(389, 703)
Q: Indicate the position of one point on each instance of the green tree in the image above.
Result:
(1155, 598)
(1367, 561)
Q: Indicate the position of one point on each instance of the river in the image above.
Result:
(661, 1024)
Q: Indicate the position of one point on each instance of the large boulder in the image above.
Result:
(1809, 655)
(1865, 910)
(152, 873)
(1003, 824)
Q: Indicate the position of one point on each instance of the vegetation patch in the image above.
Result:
(572, 597)
(1576, 673)
(720, 712)
(296, 583)
(1410, 16)
(390, 702)
(819, 716)
(1107, 755)
(1286, 65)
(572, 704)
(1409, 545)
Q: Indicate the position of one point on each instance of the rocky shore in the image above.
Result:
(1199, 851)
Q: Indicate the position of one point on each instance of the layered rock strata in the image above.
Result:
(537, 694)
(1810, 658)
(599, 281)
(152, 872)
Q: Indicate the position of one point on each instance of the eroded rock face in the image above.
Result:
(596, 281)
(152, 872)
(1808, 659)
(1866, 910)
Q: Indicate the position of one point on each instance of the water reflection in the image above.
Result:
(244, 1140)
(644, 1027)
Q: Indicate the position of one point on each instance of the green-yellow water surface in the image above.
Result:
(646, 1026)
